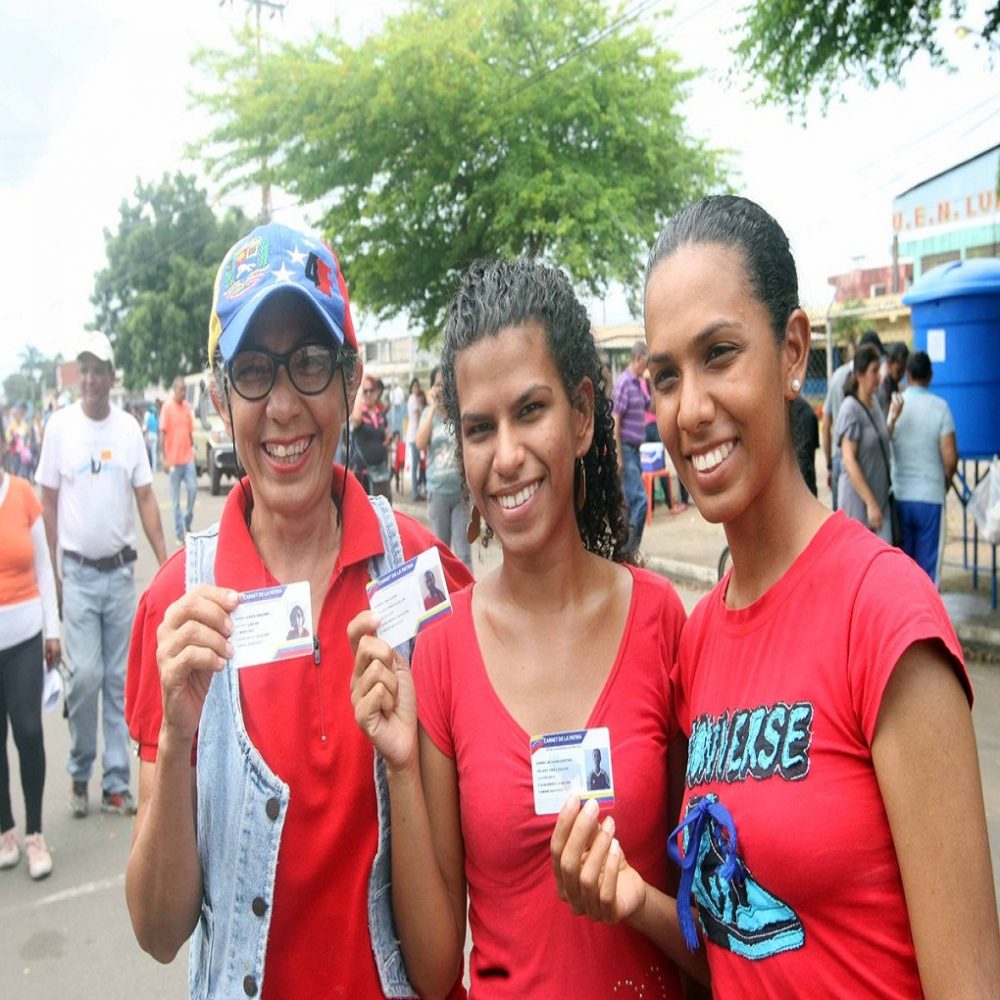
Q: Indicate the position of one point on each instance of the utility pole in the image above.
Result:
(275, 7)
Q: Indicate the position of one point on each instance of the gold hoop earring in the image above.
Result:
(472, 532)
(581, 483)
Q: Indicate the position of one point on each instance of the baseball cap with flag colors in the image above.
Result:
(275, 258)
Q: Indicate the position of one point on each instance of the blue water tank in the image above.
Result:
(955, 312)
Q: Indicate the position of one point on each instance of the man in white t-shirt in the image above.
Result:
(93, 462)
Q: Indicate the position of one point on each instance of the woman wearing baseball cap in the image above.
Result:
(260, 827)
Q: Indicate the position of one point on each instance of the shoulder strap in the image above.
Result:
(392, 549)
(885, 457)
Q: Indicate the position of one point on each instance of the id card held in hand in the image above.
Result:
(571, 763)
(273, 623)
(410, 597)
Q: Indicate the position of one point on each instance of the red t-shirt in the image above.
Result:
(299, 716)
(526, 943)
(780, 700)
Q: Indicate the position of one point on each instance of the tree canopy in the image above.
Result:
(154, 297)
(464, 129)
(796, 47)
(36, 374)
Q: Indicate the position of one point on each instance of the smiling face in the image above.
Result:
(721, 380)
(96, 380)
(521, 436)
(287, 440)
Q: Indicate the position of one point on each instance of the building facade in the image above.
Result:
(953, 215)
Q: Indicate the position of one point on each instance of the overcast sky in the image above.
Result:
(94, 94)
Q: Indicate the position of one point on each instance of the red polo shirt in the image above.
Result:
(299, 716)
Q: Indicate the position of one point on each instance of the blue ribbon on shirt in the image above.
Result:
(698, 818)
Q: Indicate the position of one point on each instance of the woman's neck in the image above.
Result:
(771, 534)
(865, 398)
(294, 544)
(554, 578)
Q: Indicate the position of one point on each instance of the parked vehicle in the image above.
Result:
(213, 448)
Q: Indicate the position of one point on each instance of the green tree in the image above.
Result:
(33, 367)
(847, 329)
(795, 47)
(154, 296)
(17, 388)
(463, 129)
(48, 368)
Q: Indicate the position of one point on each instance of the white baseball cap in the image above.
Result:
(97, 344)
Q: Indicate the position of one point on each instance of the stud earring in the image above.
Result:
(472, 532)
(796, 385)
(581, 484)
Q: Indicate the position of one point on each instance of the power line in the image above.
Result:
(626, 17)
(952, 120)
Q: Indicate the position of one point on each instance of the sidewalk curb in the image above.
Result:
(682, 572)
(981, 641)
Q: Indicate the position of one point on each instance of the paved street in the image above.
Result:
(71, 931)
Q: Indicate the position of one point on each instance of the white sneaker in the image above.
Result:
(10, 852)
(39, 858)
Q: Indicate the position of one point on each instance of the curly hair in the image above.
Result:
(495, 294)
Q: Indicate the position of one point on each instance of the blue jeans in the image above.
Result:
(635, 492)
(189, 476)
(921, 524)
(98, 609)
(449, 519)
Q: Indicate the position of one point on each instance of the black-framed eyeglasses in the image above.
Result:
(310, 368)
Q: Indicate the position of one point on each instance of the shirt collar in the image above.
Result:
(238, 563)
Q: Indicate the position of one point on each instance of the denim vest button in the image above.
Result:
(250, 986)
(258, 906)
(272, 808)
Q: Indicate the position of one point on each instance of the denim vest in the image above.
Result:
(242, 806)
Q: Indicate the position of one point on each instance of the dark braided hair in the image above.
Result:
(742, 224)
(496, 294)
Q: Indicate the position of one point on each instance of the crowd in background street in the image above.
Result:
(890, 447)
(22, 426)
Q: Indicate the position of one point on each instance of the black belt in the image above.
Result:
(108, 563)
